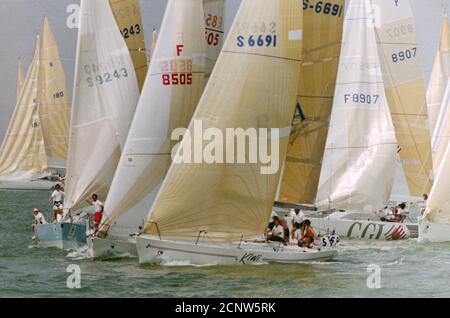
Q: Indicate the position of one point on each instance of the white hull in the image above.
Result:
(359, 229)
(154, 250)
(112, 247)
(433, 232)
(26, 184)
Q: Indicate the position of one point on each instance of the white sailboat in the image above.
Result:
(41, 119)
(171, 93)
(358, 166)
(105, 97)
(439, 78)
(204, 213)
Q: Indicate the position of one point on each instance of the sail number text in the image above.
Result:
(107, 77)
(404, 55)
(132, 30)
(213, 21)
(361, 98)
(396, 32)
(176, 72)
(323, 7)
(261, 40)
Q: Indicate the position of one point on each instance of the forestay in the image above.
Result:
(358, 165)
(171, 93)
(253, 85)
(105, 97)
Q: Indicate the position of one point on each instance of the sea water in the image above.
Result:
(362, 269)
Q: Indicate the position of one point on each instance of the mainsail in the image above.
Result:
(439, 77)
(214, 30)
(128, 17)
(358, 166)
(171, 93)
(22, 155)
(253, 86)
(105, 97)
(54, 109)
(405, 90)
(321, 49)
(20, 79)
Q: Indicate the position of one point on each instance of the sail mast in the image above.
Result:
(405, 91)
(322, 43)
(358, 166)
(54, 109)
(128, 17)
(104, 99)
(253, 85)
(171, 93)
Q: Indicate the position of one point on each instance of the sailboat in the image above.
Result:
(171, 93)
(104, 100)
(358, 166)
(439, 78)
(205, 213)
(35, 145)
(128, 17)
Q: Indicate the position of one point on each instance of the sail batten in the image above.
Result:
(251, 86)
(405, 91)
(321, 47)
(170, 95)
(358, 165)
(105, 97)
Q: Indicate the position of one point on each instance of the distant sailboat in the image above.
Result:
(439, 78)
(128, 17)
(405, 91)
(27, 152)
(204, 212)
(358, 166)
(171, 93)
(321, 48)
(214, 32)
(104, 99)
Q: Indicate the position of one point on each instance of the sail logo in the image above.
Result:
(238, 146)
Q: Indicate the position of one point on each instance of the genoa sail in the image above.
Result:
(104, 100)
(441, 135)
(405, 90)
(439, 78)
(214, 32)
(253, 86)
(171, 93)
(22, 154)
(359, 161)
(54, 109)
(321, 49)
(128, 17)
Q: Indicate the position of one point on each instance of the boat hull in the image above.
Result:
(112, 247)
(433, 232)
(359, 229)
(26, 185)
(156, 251)
(61, 235)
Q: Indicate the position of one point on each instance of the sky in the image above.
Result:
(20, 20)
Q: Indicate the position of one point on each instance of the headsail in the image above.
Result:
(405, 90)
(439, 77)
(358, 166)
(441, 136)
(171, 93)
(128, 17)
(215, 22)
(253, 85)
(54, 109)
(20, 79)
(22, 155)
(321, 49)
(105, 97)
